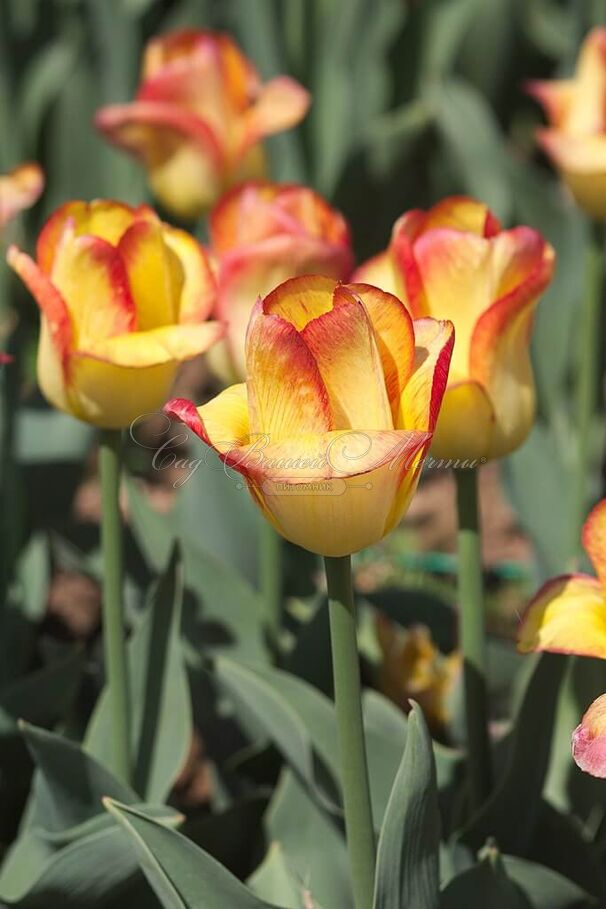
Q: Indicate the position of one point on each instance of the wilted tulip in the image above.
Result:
(342, 393)
(261, 234)
(568, 615)
(454, 262)
(198, 117)
(19, 189)
(576, 138)
(123, 299)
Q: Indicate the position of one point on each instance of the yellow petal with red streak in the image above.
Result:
(198, 292)
(422, 396)
(568, 615)
(343, 345)
(155, 275)
(222, 424)
(301, 299)
(170, 343)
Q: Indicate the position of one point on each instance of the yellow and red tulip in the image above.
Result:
(455, 262)
(19, 190)
(339, 405)
(575, 140)
(199, 116)
(568, 615)
(260, 235)
(123, 299)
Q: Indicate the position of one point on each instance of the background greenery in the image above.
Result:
(411, 101)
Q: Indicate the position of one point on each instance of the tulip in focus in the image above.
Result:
(19, 189)
(455, 262)
(575, 140)
(341, 397)
(199, 116)
(568, 615)
(261, 234)
(123, 299)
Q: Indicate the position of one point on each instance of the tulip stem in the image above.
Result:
(354, 768)
(587, 375)
(114, 636)
(270, 577)
(473, 636)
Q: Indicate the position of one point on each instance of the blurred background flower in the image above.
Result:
(19, 189)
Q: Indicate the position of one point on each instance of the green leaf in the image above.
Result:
(48, 435)
(485, 885)
(313, 845)
(69, 784)
(181, 875)
(275, 880)
(545, 888)
(511, 814)
(408, 852)
(473, 142)
(227, 614)
(161, 709)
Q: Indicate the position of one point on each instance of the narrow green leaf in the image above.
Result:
(181, 875)
(69, 784)
(161, 708)
(276, 880)
(511, 814)
(408, 853)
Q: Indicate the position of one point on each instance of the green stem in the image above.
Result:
(587, 376)
(352, 748)
(472, 636)
(270, 577)
(114, 636)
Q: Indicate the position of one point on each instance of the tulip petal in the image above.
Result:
(567, 615)
(299, 300)
(90, 276)
(167, 344)
(287, 396)
(51, 303)
(330, 493)
(281, 103)
(199, 287)
(555, 96)
(154, 274)
(589, 740)
(422, 396)
(222, 423)
(101, 218)
(19, 189)
(581, 160)
(587, 114)
(343, 345)
(394, 334)
(466, 422)
(594, 539)
(380, 272)
(464, 214)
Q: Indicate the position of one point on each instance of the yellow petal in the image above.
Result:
(222, 423)
(343, 345)
(589, 740)
(19, 190)
(199, 288)
(300, 300)
(395, 338)
(466, 423)
(568, 615)
(422, 395)
(282, 103)
(287, 396)
(170, 343)
(380, 272)
(90, 276)
(154, 274)
(582, 162)
(586, 112)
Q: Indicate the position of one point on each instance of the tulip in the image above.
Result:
(575, 140)
(568, 615)
(19, 190)
(340, 402)
(198, 118)
(123, 299)
(455, 262)
(260, 235)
